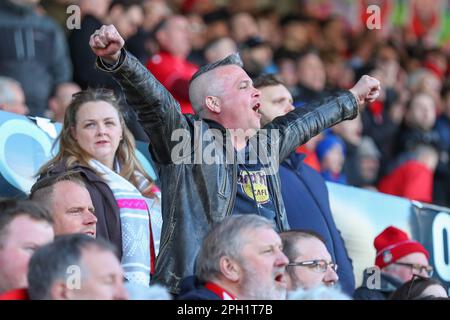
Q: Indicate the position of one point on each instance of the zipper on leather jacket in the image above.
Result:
(278, 214)
(233, 189)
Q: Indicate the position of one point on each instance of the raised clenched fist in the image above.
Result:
(106, 43)
(367, 89)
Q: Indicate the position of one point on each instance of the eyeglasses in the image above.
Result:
(417, 268)
(316, 265)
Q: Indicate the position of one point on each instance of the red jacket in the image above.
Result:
(174, 73)
(16, 294)
(412, 180)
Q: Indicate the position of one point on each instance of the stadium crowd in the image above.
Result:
(353, 105)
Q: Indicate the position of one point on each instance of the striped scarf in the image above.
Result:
(135, 224)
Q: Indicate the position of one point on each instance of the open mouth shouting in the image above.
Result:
(256, 108)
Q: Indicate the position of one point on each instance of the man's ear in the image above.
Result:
(230, 269)
(59, 291)
(213, 104)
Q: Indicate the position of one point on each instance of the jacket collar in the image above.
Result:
(295, 160)
(88, 172)
(215, 125)
(219, 291)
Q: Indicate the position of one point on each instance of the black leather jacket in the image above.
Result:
(196, 195)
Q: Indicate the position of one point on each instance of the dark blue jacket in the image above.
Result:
(191, 289)
(305, 196)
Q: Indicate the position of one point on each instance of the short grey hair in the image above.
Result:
(201, 86)
(226, 238)
(50, 263)
(290, 239)
(6, 94)
(42, 191)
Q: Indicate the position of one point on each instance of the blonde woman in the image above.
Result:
(95, 141)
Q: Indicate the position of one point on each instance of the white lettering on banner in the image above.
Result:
(441, 244)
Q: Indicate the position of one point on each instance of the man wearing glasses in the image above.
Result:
(399, 258)
(310, 263)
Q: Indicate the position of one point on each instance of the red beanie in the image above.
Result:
(392, 244)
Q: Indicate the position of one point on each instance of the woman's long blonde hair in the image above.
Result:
(72, 154)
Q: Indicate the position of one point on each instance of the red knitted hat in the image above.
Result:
(392, 244)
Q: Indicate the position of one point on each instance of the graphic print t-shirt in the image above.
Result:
(253, 193)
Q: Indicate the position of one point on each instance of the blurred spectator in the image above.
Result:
(92, 265)
(12, 97)
(61, 99)
(363, 46)
(412, 178)
(95, 8)
(96, 142)
(310, 264)
(142, 44)
(331, 154)
(304, 192)
(333, 35)
(257, 56)
(219, 49)
(311, 78)
(383, 117)
(295, 34)
(268, 21)
(240, 258)
(423, 80)
(33, 51)
(69, 203)
(420, 288)
(338, 74)
(368, 164)
(126, 15)
(216, 22)
(170, 66)
(24, 227)
(287, 70)
(351, 133)
(399, 259)
(197, 38)
(441, 192)
(435, 60)
(237, 6)
(418, 124)
(309, 150)
(243, 27)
